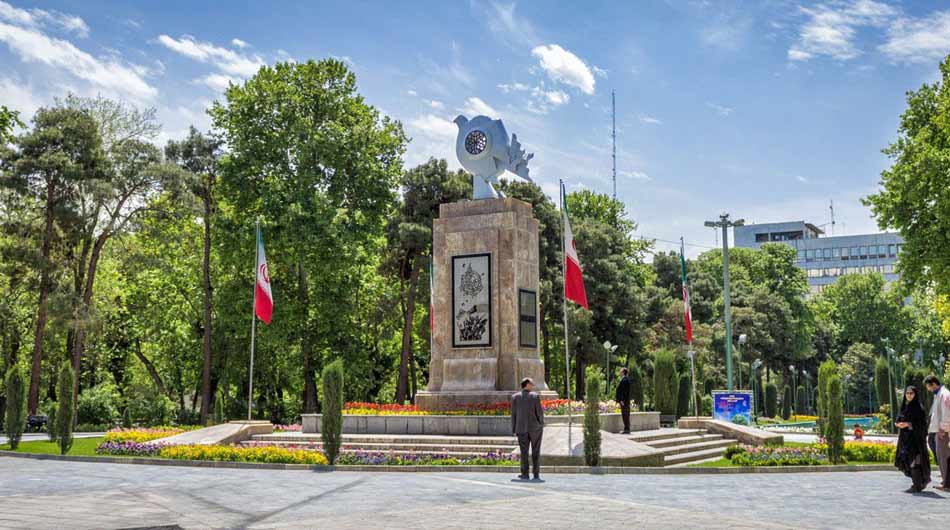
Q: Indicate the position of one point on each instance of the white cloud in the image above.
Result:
(476, 107)
(20, 97)
(238, 43)
(919, 40)
(542, 100)
(599, 72)
(106, 73)
(432, 136)
(635, 175)
(412, 92)
(433, 126)
(802, 179)
(722, 110)
(831, 28)
(650, 120)
(515, 30)
(564, 67)
(217, 82)
(436, 104)
(514, 87)
(38, 18)
(228, 61)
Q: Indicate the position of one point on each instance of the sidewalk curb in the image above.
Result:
(454, 469)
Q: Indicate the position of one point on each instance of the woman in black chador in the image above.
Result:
(912, 455)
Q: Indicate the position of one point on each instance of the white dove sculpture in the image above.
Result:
(484, 150)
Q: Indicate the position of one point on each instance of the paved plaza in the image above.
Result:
(54, 494)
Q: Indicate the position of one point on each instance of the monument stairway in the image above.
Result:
(398, 444)
(684, 446)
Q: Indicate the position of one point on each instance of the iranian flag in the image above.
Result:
(263, 299)
(688, 313)
(573, 275)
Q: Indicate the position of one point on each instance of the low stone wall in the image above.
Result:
(745, 434)
(222, 434)
(466, 425)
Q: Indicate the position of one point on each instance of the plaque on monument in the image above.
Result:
(471, 300)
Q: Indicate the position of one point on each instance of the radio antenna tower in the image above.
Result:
(613, 136)
(832, 208)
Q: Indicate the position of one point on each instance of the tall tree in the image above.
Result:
(319, 166)
(199, 155)
(62, 150)
(409, 235)
(9, 120)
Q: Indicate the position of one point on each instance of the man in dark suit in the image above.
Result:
(623, 397)
(527, 422)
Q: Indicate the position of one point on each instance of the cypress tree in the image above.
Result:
(15, 414)
(787, 403)
(636, 386)
(51, 426)
(834, 429)
(66, 409)
(665, 382)
(683, 403)
(331, 426)
(800, 397)
(771, 400)
(592, 436)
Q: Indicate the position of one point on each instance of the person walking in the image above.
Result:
(912, 456)
(527, 423)
(622, 396)
(940, 428)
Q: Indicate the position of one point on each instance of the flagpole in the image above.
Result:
(689, 339)
(250, 378)
(567, 357)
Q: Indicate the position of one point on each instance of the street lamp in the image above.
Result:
(808, 392)
(890, 382)
(870, 405)
(692, 376)
(791, 368)
(755, 397)
(724, 222)
(742, 340)
(609, 349)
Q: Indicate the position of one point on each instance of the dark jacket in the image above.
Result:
(527, 415)
(623, 391)
(912, 441)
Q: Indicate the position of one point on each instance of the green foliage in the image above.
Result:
(787, 402)
(15, 414)
(915, 375)
(665, 382)
(636, 386)
(66, 411)
(865, 309)
(771, 400)
(331, 427)
(707, 409)
(834, 427)
(99, 404)
(51, 424)
(219, 414)
(915, 189)
(825, 371)
(592, 437)
(882, 384)
(9, 119)
(684, 403)
(151, 408)
(800, 400)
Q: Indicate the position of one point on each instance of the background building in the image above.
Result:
(826, 258)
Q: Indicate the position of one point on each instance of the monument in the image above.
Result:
(486, 272)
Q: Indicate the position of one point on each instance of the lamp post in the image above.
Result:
(742, 340)
(791, 368)
(755, 396)
(609, 349)
(870, 405)
(692, 376)
(890, 383)
(808, 392)
(724, 222)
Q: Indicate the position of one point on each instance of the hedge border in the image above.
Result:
(582, 470)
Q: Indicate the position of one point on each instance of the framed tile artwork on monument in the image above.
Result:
(471, 301)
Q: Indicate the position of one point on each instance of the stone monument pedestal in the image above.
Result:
(486, 328)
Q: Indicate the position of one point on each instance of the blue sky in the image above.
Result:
(767, 109)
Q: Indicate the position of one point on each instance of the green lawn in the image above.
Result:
(81, 447)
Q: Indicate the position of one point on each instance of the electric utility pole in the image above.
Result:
(724, 222)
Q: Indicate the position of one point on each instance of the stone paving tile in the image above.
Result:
(51, 494)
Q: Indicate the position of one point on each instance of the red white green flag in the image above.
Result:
(687, 311)
(573, 274)
(263, 299)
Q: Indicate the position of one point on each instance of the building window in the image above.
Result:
(863, 251)
(800, 255)
(854, 253)
(827, 254)
(836, 253)
(844, 253)
(528, 318)
(892, 250)
(761, 238)
(809, 255)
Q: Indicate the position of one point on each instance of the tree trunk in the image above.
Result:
(79, 344)
(402, 384)
(41, 312)
(306, 346)
(206, 340)
(412, 378)
(152, 372)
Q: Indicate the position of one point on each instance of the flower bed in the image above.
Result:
(392, 459)
(228, 453)
(128, 448)
(145, 434)
(294, 427)
(777, 456)
(554, 407)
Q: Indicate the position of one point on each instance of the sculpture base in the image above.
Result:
(457, 400)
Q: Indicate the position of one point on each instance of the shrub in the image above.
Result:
(15, 414)
(65, 411)
(779, 456)
(219, 414)
(51, 423)
(881, 384)
(636, 386)
(331, 429)
(800, 400)
(228, 453)
(684, 404)
(834, 428)
(592, 419)
(707, 406)
(98, 404)
(825, 371)
(733, 450)
(665, 382)
(150, 408)
(787, 403)
(771, 400)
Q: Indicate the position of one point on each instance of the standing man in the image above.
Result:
(622, 396)
(527, 422)
(940, 428)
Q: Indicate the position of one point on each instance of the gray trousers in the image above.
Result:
(943, 459)
(532, 440)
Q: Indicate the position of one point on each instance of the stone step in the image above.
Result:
(693, 456)
(697, 446)
(385, 448)
(393, 439)
(669, 442)
(663, 434)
